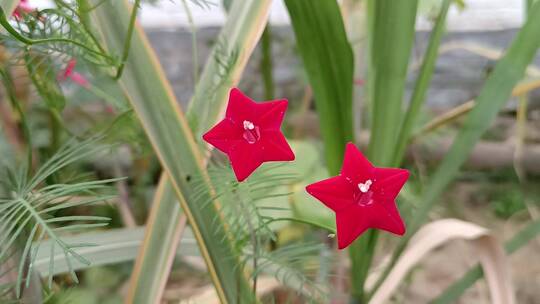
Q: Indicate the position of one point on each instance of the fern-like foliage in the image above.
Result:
(294, 265)
(44, 41)
(57, 33)
(27, 214)
(251, 210)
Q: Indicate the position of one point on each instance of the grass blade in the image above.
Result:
(391, 43)
(228, 59)
(422, 83)
(152, 99)
(328, 60)
(103, 248)
(392, 34)
(241, 32)
(162, 235)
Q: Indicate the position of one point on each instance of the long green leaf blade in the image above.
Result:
(422, 83)
(227, 62)
(391, 39)
(164, 229)
(391, 43)
(152, 99)
(328, 60)
(103, 248)
(241, 32)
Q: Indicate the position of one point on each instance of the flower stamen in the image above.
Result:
(248, 125)
(364, 187)
(251, 132)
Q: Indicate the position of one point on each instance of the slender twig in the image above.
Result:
(124, 202)
(520, 138)
(301, 221)
(194, 49)
(254, 240)
(266, 63)
(444, 119)
(84, 16)
(466, 107)
(127, 42)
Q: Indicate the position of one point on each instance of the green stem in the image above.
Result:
(102, 94)
(361, 253)
(301, 221)
(194, 49)
(55, 129)
(127, 42)
(390, 44)
(84, 16)
(254, 239)
(422, 84)
(266, 63)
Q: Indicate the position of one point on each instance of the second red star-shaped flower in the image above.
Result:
(250, 133)
(362, 196)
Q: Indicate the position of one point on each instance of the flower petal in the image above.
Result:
(350, 224)
(80, 79)
(274, 147)
(389, 182)
(269, 114)
(245, 158)
(224, 136)
(335, 192)
(70, 68)
(356, 166)
(386, 217)
(240, 107)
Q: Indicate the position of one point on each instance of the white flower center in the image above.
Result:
(248, 125)
(364, 187)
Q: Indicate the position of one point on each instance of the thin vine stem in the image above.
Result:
(301, 221)
(194, 49)
(84, 17)
(5, 23)
(127, 42)
(254, 240)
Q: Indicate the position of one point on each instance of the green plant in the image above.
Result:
(246, 232)
(27, 212)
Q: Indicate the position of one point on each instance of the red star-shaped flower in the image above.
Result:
(362, 196)
(250, 133)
